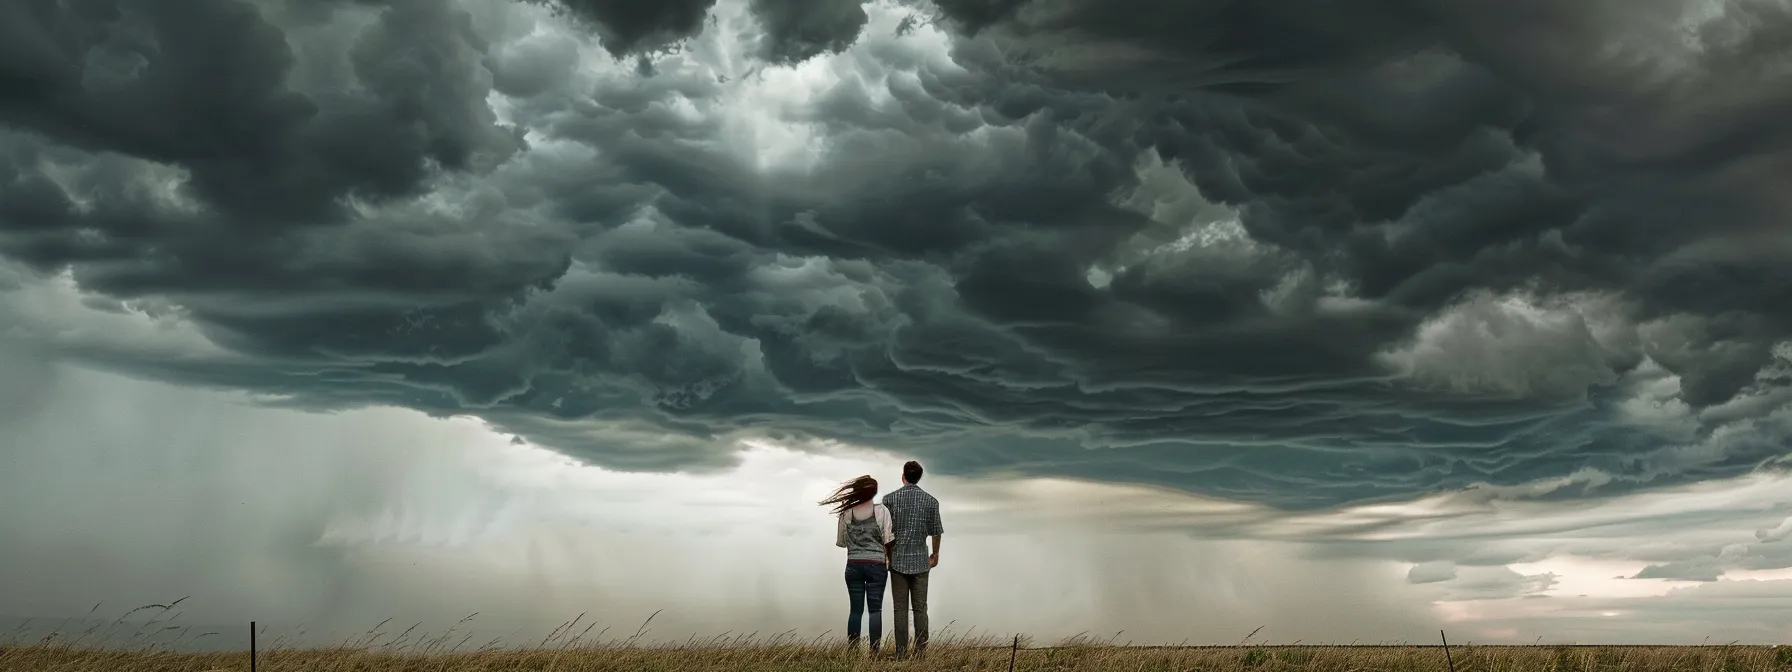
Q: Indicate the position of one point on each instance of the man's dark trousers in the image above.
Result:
(909, 590)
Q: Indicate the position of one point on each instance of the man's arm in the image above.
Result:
(935, 529)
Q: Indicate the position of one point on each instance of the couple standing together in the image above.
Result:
(887, 542)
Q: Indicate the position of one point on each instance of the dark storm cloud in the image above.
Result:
(1000, 267)
(199, 88)
(202, 85)
(630, 27)
(1387, 126)
(797, 30)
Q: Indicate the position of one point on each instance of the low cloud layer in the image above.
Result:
(1283, 255)
(322, 525)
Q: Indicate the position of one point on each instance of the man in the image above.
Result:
(916, 516)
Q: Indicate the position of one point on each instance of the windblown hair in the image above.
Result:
(852, 493)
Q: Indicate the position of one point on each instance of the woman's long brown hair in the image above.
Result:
(852, 493)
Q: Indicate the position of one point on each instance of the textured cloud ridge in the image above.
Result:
(1280, 252)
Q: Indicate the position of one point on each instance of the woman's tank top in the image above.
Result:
(864, 538)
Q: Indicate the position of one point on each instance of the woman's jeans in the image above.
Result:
(865, 584)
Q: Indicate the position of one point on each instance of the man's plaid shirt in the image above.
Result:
(915, 517)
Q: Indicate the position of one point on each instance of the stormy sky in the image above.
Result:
(1351, 320)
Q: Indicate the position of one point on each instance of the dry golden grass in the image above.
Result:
(799, 658)
(563, 652)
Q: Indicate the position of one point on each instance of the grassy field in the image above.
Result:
(119, 647)
(949, 655)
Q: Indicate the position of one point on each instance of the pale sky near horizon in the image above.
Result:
(1353, 328)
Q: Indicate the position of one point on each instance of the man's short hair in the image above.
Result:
(911, 471)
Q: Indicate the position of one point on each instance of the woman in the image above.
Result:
(863, 529)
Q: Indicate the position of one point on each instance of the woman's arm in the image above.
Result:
(889, 532)
(884, 524)
(840, 530)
